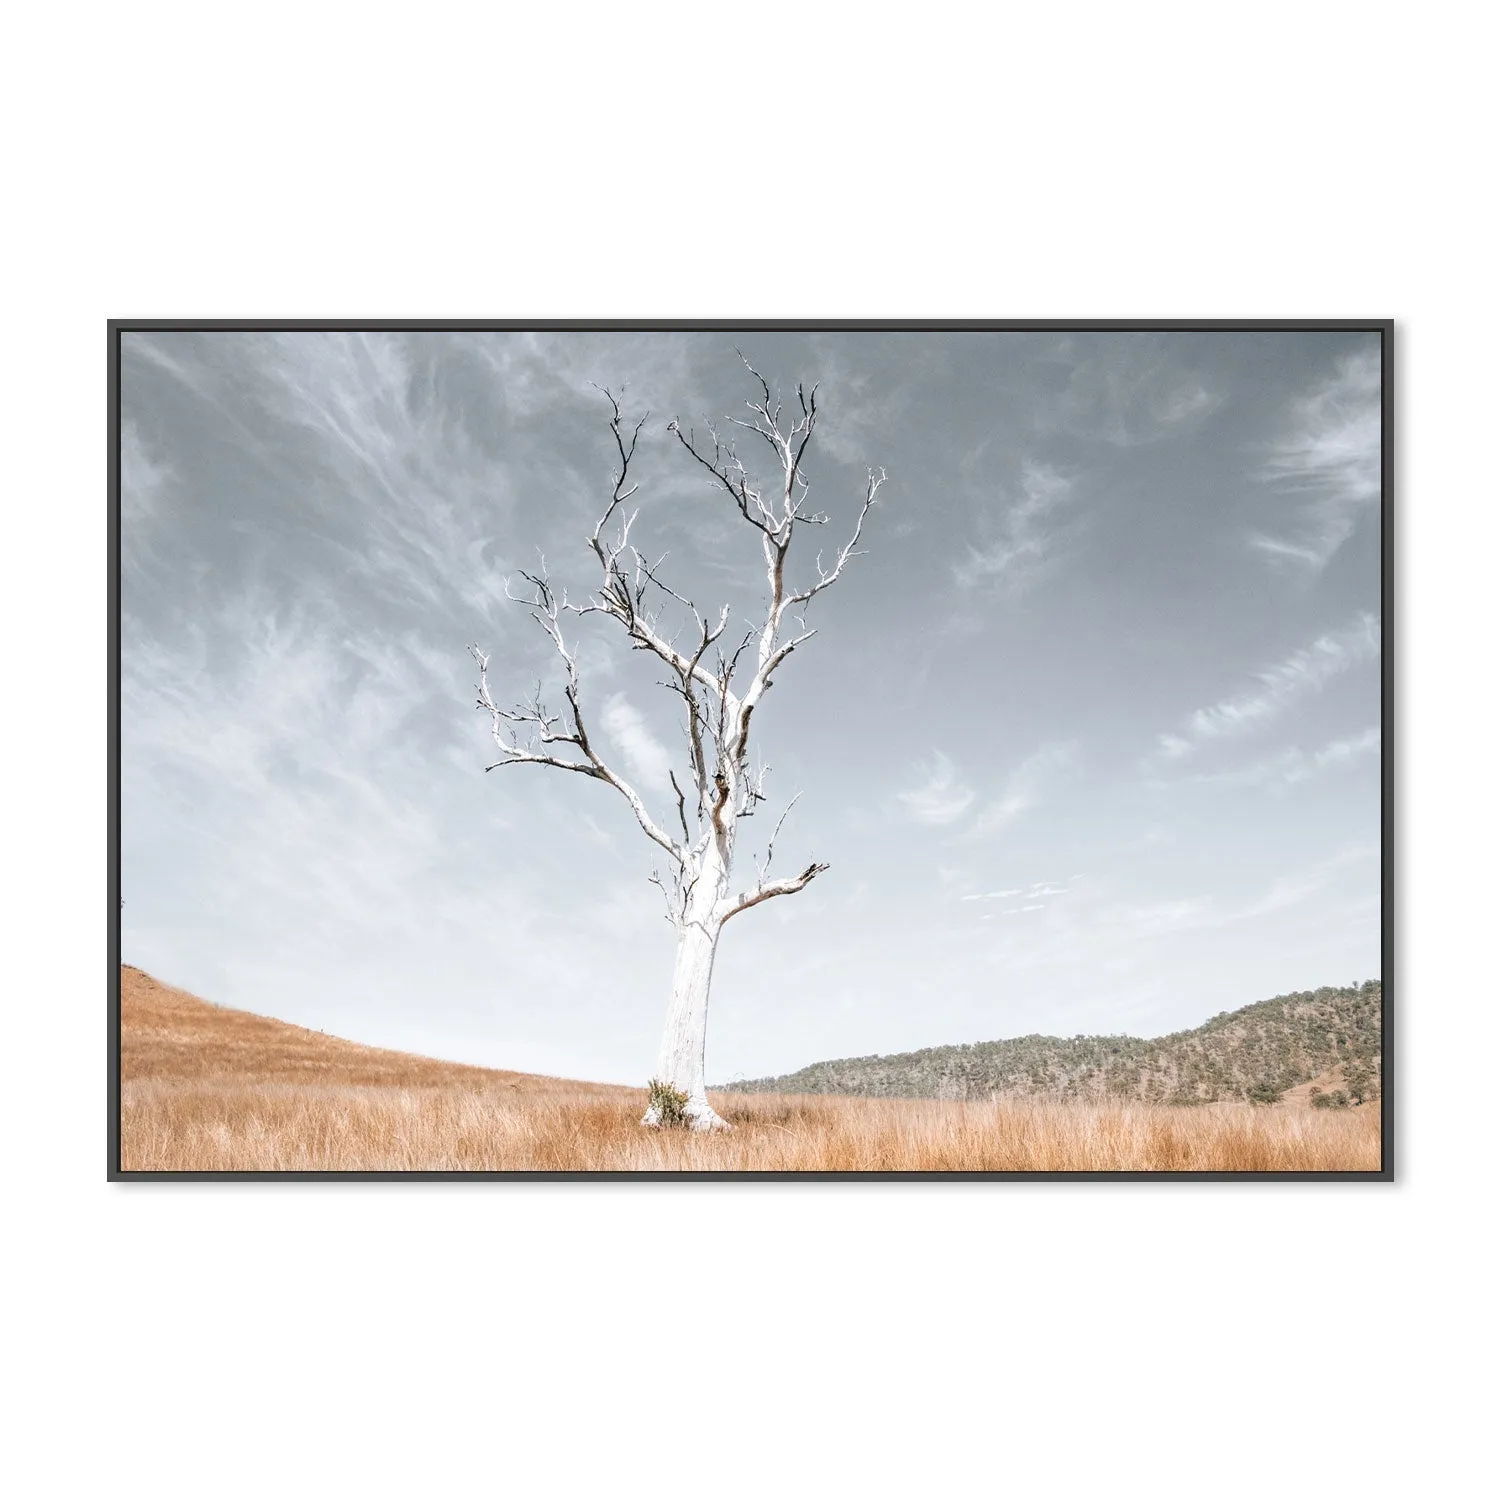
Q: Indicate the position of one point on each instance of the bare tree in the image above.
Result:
(720, 679)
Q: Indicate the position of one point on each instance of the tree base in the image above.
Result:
(698, 1114)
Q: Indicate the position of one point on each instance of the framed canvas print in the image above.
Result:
(901, 749)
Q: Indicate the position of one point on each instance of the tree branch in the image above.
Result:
(872, 488)
(777, 527)
(545, 611)
(621, 596)
(767, 891)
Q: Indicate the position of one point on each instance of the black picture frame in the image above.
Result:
(1384, 327)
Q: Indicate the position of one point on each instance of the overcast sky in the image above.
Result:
(1089, 736)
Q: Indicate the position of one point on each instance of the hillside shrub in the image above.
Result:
(1359, 1079)
(1338, 1099)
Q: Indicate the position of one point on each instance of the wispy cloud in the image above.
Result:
(1156, 919)
(940, 798)
(858, 410)
(1135, 921)
(1292, 890)
(1328, 461)
(1024, 787)
(1128, 394)
(1034, 897)
(648, 759)
(1293, 765)
(1184, 403)
(1279, 687)
(288, 731)
(143, 475)
(355, 462)
(1041, 888)
(1028, 535)
(1342, 752)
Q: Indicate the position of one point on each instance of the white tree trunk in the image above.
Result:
(680, 1061)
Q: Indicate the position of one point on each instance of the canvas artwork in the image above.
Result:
(904, 749)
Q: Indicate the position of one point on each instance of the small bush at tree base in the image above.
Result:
(670, 1104)
(1263, 1093)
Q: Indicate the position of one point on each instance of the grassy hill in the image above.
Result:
(1258, 1053)
(168, 1034)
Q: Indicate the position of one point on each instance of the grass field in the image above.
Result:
(206, 1089)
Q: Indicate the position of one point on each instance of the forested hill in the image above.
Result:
(1256, 1053)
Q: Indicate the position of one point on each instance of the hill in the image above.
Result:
(1326, 1039)
(166, 1033)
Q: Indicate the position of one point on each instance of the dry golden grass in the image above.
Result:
(209, 1090)
(170, 1125)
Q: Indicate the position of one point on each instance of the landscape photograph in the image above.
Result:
(750, 749)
